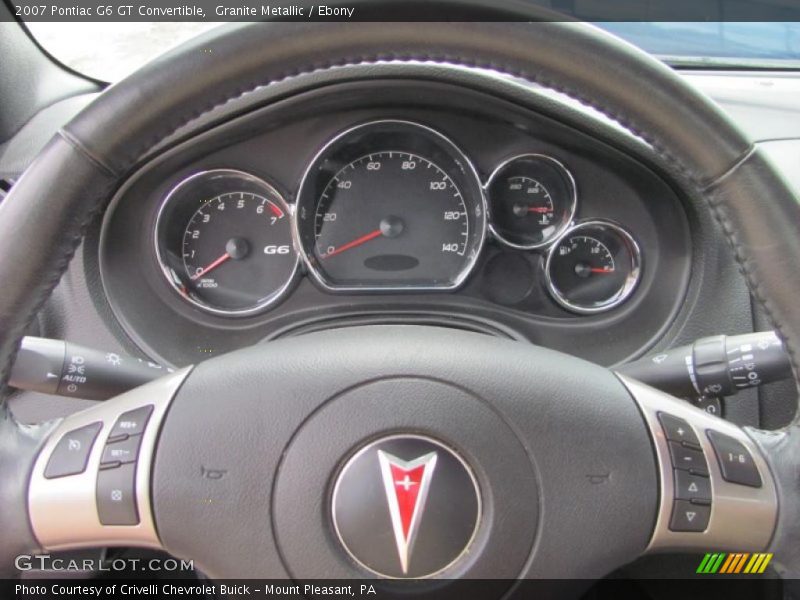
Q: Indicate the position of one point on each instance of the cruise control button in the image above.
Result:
(71, 454)
(692, 487)
(689, 517)
(677, 429)
(735, 461)
(116, 496)
(131, 422)
(688, 459)
(124, 451)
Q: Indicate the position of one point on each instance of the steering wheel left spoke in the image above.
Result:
(95, 469)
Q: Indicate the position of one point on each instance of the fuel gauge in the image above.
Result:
(593, 267)
(532, 199)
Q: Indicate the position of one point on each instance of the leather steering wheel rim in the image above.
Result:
(93, 154)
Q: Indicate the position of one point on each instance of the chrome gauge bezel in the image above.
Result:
(573, 200)
(166, 269)
(631, 281)
(469, 172)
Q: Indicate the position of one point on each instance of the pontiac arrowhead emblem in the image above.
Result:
(406, 506)
(406, 484)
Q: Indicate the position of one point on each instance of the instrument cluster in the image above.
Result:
(386, 206)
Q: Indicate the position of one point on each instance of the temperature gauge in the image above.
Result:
(593, 267)
(532, 199)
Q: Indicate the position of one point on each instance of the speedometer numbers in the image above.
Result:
(224, 240)
(593, 267)
(390, 205)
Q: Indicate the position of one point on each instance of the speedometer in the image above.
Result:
(390, 205)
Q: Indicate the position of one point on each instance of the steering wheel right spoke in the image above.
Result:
(90, 484)
(717, 491)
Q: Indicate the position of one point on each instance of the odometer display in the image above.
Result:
(391, 205)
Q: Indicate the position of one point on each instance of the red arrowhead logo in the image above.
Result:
(406, 484)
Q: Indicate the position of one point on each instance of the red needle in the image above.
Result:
(538, 209)
(212, 266)
(356, 242)
(594, 270)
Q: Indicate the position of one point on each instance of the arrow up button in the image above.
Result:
(692, 487)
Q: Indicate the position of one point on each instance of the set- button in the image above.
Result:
(121, 451)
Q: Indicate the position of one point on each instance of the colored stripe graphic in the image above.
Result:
(703, 568)
(753, 561)
(711, 562)
(734, 563)
(715, 565)
(740, 563)
(763, 566)
(732, 558)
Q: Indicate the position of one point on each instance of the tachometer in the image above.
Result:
(224, 240)
(390, 205)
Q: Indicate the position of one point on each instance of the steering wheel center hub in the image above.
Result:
(398, 478)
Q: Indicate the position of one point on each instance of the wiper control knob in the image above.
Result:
(714, 366)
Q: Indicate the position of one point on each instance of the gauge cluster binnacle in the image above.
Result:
(381, 202)
(386, 206)
(224, 242)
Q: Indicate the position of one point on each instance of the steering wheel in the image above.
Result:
(411, 451)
